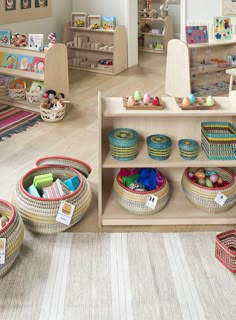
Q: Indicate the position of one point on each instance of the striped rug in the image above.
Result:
(15, 120)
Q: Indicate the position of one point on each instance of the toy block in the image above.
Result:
(33, 190)
(72, 183)
(43, 180)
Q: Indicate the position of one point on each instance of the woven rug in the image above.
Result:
(15, 120)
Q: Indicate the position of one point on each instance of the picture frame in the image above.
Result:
(37, 87)
(196, 34)
(25, 4)
(222, 28)
(229, 7)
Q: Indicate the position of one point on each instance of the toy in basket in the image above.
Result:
(142, 191)
(225, 250)
(53, 108)
(210, 189)
(11, 236)
(17, 90)
(44, 214)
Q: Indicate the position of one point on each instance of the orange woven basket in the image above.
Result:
(225, 250)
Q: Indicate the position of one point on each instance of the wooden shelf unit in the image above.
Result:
(184, 73)
(55, 72)
(150, 39)
(175, 123)
(116, 38)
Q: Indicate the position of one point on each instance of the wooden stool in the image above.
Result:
(232, 73)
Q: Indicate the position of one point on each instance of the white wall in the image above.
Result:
(60, 15)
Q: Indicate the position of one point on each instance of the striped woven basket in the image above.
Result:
(135, 201)
(158, 146)
(204, 197)
(39, 214)
(188, 149)
(13, 232)
(225, 250)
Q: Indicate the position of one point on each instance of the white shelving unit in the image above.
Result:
(175, 123)
(55, 74)
(111, 38)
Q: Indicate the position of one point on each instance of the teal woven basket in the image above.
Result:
(123, 144)
(188, 149)
(158, 146)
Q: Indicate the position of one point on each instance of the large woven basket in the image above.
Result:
(50, 115)
(13, 232)
(225, 250)
(39, 214)
(204, 197)
(135, 201)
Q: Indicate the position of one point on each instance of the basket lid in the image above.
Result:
(77, 164)
(159, 141)
(124, 136)
(188, 144)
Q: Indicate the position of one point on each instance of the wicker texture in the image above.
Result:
(204, 198)
(14, 234)
(188, 149)
(123, 144)
(39, 214)
(34, 98)
(17, 94)
(225, 250)
(135, 201)
(50, 115)
(218, 140)
(3, 90)
(158, 146)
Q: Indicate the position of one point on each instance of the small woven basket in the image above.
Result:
(34, 98)
(188, 149)
(135, 201)
(204, 197)
(50, 115)
(225, 250)
(123, 144)
(17, 94)
(39, 214)
(158, 146)
(13, 232)
(4, 90)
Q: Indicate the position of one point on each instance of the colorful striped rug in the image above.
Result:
(15, 120)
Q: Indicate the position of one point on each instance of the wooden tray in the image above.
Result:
(200, 104)
(141, 106)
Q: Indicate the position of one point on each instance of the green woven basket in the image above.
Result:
(188, 149)
(158, 146)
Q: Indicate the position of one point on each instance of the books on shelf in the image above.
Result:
(9, 60)
(38, 65)
(35, 41)
(37, 87)
(24, 62)
(5, 80)
(5, 37)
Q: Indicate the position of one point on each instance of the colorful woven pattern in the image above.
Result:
(123, 144)
(225, 250)
(13, 232)
(204, 197)
(158, 146)
(218, 140)
(14, 120)
(188, 149)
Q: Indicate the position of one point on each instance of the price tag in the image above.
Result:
(65, 213)
(2, 250)
(151, 202)
(220, 198)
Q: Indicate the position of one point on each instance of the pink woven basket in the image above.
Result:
(225, 250)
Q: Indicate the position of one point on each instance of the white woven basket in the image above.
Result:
(50, 115)
(17, 94)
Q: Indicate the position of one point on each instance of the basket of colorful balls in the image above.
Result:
(210, 189)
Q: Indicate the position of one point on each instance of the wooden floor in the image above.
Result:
(76, 135)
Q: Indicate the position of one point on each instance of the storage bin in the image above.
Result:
(225, 250)
(218, 140)
(12, 234)
(158, 146)
(135, 201)
(123, 144)
(4, 90)
(204, 198)
(39, 214)
(50, 115)
(17, 94)
(34, 98)
(188, 149)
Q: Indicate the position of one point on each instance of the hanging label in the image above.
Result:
(220, 198)
(151, 202)
(2, 250)
(65, 213)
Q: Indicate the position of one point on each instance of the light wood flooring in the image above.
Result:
(76, 135)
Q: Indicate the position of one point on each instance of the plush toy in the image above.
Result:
(52, 39)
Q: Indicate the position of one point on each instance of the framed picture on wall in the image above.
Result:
(10, 5)
(196, 34)
(222, 28)
(25, 4)
(41, 3)
(229, 7)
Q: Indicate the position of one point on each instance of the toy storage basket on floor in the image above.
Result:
(225, 250)
(50, 115)
(34, 98)
(135, 201)
(13, 232)
(39, 214)
(204, 197)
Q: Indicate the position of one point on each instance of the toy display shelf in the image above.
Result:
(55, 74)
(184, 76)
(116, 38)
(177, 124)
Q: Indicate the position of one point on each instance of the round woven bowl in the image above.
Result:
(13, 232)
(158, 146)
(50, 115)
(204, 197)
(39, 214)
(135, 201)
(188, 149)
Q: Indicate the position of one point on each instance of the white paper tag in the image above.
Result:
(65, 213)
(2, 250)
(220, 198)
(151, 202)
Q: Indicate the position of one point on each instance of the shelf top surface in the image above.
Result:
(213, 42)
(113, 107)
(90, 30)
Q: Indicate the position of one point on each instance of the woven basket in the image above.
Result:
(158, 146)
(123, 144)
(135, 201)
(225, 250)
(49, 115)
(204, 197)
(34, 98)
(17, 94)
(188, 149)
(13, 232)
(3, 90)
(39, 214)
